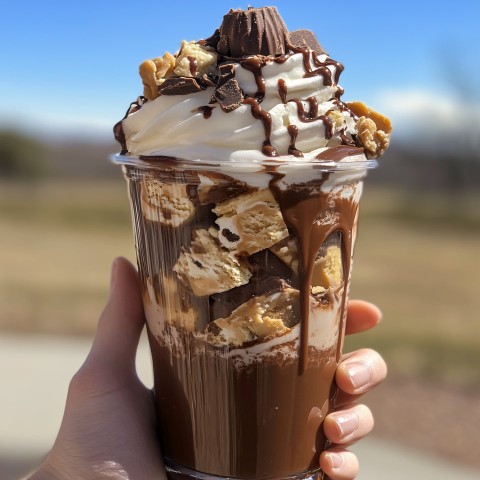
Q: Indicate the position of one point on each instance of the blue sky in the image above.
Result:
(73, 64)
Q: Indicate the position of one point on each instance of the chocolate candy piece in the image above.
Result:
(179, 86)
(228, 93)
(256, 31)
(305, 39)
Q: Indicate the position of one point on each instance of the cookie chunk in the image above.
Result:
(207, 268)
(250, 222)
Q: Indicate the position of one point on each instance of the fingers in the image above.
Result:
(348, 425)
(361, 316)
(358, 373)
(122, 320)
(343, 428)
(339, 464)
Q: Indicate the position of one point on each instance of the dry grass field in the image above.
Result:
(421, 265)
(416, 258)
(56, 246)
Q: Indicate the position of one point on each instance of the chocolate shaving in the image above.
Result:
(181, 86)
(229, 95)
(228, 92)
(305, 39)
(209, 80)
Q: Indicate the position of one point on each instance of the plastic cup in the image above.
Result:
(244, 270)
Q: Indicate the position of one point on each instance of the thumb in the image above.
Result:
(121, 322)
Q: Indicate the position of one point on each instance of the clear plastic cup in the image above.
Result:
(245, 271)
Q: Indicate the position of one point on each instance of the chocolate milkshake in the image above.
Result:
(245, 172)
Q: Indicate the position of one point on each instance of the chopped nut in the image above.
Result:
(375, 141)
(373, 129)
(195, 60)
(336, 117)
(318, 290)
(153, 73)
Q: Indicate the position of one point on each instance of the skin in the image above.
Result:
(108, 427)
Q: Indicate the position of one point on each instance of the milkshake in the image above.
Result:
(245, 171)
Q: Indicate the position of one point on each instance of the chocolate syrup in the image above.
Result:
(260, 422)
(254, 65)
(192, 66)
(282, 90)
(266, 119)
(303, 210)
(206, 110)
(311, 115)
(327, 62)
(292, 149)
(335, 154)
(118, 131)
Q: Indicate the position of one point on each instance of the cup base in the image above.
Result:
(179, 472)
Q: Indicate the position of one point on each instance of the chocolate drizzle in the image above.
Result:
(255, 65)
(119, 135)
(321, 69)
(324, 70)
(193, 66)
(312, 114)
(253, 39)
(266, 119)
(313, 215)
(292, 149)
(118, 131)
(335, 154)
(282, 90)
(206, 110)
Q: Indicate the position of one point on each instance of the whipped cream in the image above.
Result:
(298, 105)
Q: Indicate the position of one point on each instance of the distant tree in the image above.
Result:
(21, 156)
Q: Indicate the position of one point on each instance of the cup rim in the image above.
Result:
(201, 164)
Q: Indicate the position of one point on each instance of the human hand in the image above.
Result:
(109, 426)
(358, 373)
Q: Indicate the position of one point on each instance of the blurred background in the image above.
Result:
(69, 71)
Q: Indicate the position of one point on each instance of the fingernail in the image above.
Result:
(335, 460)
(360, 374)
(347, 424)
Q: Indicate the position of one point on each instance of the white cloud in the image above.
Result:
(435, 116)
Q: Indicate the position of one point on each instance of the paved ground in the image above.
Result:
(34, 375)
